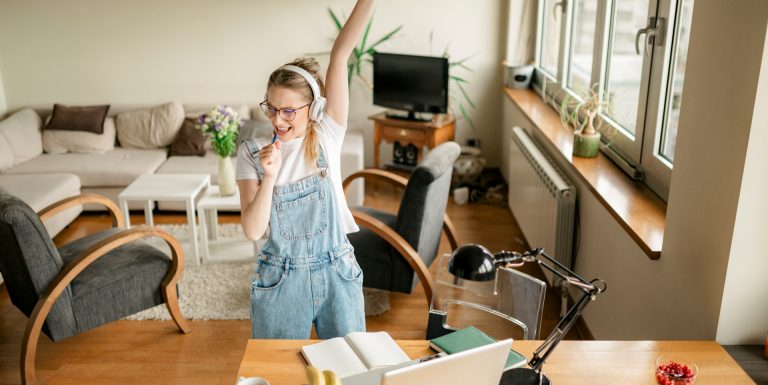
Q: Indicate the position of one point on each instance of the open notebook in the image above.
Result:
(355, 353)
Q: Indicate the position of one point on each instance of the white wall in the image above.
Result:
(744, 309)
(3, 105)
(142, 51)
(680, 296)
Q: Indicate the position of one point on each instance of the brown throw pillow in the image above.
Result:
(90, 118)
(189, 140)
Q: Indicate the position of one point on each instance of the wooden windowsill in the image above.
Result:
(635, 207)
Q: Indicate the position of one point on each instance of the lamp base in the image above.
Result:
(523, 376)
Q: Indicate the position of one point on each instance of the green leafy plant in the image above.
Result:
(364, 52)
(460, 99)
(580, 113)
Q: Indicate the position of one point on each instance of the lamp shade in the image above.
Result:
(472, 262)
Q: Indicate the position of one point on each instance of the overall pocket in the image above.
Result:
(268, 276)
(303, 218)
(347, 267)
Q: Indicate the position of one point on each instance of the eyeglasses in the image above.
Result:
(288, 114)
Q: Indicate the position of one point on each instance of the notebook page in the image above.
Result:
(376, 349)
(334, 354)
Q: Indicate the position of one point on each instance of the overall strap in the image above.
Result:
(253, 149)
(321, 162)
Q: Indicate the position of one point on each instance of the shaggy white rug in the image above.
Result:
(221, 291)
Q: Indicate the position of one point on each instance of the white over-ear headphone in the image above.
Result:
(317, 107)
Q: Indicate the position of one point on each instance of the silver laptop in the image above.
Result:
(478, 366)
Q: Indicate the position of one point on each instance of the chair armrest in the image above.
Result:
(72, 269)
(399, 181)
(375, 173)
(402, 246)
(64, 204)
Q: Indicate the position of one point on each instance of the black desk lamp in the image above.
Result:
(476, 263)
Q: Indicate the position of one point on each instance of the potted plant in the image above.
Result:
(580, 114)
(222, 125)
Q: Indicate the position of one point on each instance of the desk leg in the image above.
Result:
(148, 214)
(193, 229)
(204, 226)
(126, 213)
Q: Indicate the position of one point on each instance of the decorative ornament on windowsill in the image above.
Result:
(222, 125)
(581, 114)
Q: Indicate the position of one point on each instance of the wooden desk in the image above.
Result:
(406, 132)
(572, 362)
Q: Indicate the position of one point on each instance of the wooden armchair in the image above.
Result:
(390, 248)
(94, 280)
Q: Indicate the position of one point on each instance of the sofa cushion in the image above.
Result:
(85, 118)
(40, 191)
(150, 128)
(116, 168)
(6, 154)
(208, 164)
(64, 141)
(22, 131)
(189, 140)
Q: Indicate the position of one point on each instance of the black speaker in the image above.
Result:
(398, 153)
(411, 155)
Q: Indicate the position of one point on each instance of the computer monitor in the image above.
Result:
(479, 366)
(411, 83)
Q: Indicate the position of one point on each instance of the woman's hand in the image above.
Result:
(270, 159)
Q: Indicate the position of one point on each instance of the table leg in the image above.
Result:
(126, 213)
(213, 223)
(148, 219)
(204, 226)
(193, 229)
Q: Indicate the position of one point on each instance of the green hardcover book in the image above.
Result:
(472, 337)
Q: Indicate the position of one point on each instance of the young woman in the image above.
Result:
(290, 183)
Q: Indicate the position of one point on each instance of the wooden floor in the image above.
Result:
(153, 352)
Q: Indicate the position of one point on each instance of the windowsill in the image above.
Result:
(634, 206)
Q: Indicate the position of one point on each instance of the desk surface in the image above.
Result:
(572, 362)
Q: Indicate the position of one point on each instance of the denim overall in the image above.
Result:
(306, 272)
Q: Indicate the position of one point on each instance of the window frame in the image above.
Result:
(642, 150)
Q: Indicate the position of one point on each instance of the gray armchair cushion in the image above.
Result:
(29, 262)
(419, 221)
(129, 275)
(381, 263)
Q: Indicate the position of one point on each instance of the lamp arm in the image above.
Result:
(561, 329)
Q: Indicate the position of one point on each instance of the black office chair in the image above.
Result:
(390, 248)
(92, 281)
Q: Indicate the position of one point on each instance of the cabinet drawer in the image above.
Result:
(392, 134)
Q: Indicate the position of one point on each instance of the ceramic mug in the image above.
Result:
(251, 381)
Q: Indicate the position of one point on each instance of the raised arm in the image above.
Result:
(336, 86)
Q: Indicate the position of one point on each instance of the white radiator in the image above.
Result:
(541, 199)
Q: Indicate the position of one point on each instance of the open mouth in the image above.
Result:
(282, 131)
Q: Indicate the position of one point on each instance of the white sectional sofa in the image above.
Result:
(40, 178)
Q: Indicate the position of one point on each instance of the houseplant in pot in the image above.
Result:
(580, 114)
(221, 125)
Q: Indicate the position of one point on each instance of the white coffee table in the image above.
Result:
(167, 187)
(229, 250)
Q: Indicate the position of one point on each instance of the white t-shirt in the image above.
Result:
(330, 135)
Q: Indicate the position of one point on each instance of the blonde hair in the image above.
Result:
(292, 80)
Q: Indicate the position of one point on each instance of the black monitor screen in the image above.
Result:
(413, 83)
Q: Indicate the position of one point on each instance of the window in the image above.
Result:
(635, 52)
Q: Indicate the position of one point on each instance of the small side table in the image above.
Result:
(419, 134)
(167, 187)
(207, 210)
